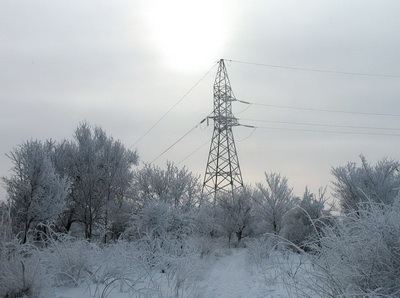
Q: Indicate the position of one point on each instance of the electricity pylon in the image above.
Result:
(223, 173)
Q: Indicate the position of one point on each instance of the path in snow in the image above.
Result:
(231, 277)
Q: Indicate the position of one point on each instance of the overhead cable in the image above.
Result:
(182, 98)
(323, 125)
(254, 129)
(319, 110)
(197, 149)
(177, 141)
(317, 70)
(331, 131)
(208, 141)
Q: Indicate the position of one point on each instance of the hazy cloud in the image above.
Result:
(112, 64)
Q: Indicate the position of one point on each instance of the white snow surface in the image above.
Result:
(230, 275)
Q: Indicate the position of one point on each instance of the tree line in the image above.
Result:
(92, 186)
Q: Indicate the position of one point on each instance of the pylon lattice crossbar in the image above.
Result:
(223, 171)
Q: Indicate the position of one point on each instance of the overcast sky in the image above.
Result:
(122, 65)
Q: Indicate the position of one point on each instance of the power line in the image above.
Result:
(197, 149)
(285, 129)
(320, 110)
(182, 98)
(330, 131)
(302, 130)
(254, 129)
(317, 70)
(323, 125)
(180, 139)
(285, 107)
(208, 141)
(244, 110)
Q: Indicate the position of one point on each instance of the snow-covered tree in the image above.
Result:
(273, 202)
(101, 174)
(36, 192)
(160, 219)
(5, 226)
(355, 184)
(206, 220)
(302, 221)
(234, 212)
(117, 182)
(172, 185)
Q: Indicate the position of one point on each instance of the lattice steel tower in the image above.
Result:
(223, 172)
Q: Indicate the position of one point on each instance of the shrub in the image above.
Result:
(69, 260)
(360, 254)
(304, 221)
(22, 272)
(6, 234)
(259, 250)
(159, 219)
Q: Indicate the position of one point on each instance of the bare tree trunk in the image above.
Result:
(239, 235)
(26, 229)
(229, 239)
(105, 238)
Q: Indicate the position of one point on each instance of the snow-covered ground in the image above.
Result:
(229, 275)
(233, 276)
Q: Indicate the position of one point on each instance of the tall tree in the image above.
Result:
(36, 192)
(101, 174)
(273, 201)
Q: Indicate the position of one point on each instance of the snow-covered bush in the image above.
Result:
(205, 221)
(6, 234)
(159, 218)
(259, 250)
(355, 184)
(182, 263)
(121, 266)
(174, 260)
(303, 222)
(115, 266)
(163, 238)
(178, 187)
(157, 250)
(22, 273)
(360, 254)
(69, 260)
(213, 246)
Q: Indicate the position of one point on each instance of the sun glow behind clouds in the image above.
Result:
(189, 35)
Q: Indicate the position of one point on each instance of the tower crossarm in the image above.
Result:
(224, 121)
